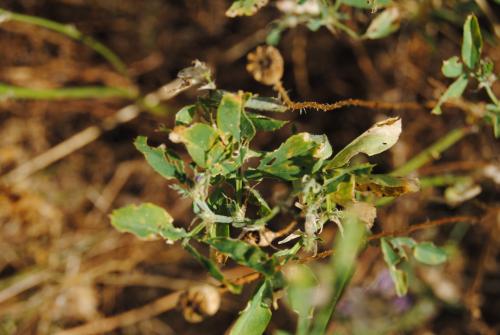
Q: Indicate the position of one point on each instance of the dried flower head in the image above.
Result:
(199, 302)
(266, 65)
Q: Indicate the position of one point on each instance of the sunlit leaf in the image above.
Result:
(380, 137)
(368, 4)
(400, 280)
(257, 314)
(452, 67)
(384, 24)
(428, 253)
(163, 162)
(229, 115)
(454, 91)
(198, 138)
(472, 42)
(264, 123)
(185, 115)
(146, 221)
(212, 268)
(245, 7)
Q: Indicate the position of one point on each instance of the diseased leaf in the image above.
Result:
(472, 42)
(384, 24)
(198, 139)
(163, 162)
(300, 152)
(452, 67)
(245, 7)
(257, 314)
(212, 268)
(264, 123)
(229, 115)
(380, 137)
(265, 104)
(454, 91)
(245, 254)
(146, 221)
(185, 115)
(383, 185)
(400, 280)
(428, 253)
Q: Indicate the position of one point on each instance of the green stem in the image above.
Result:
(303, 325)
(431, 153)
(84, 92)
(69, 31)
(492, 95)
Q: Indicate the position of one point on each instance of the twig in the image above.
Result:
(145, 312)
(348, 102)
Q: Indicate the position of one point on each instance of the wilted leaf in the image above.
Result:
(146, 221)
(463, 190)
(452, 67)
(245, 254)
(245, 7)
(257, 314)
(384, 24)
(384, 185)
(472, 42)
(380, 137)
(167, 165)
(454, 91)
(366, 212)
(428, 253)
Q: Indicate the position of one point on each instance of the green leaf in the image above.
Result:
(185, 115)
(229, 115)
(369, 4)
(198, 139)
(146, 221)
(493, 117)
(390, 256)
(257, 314)
(428, 253)
(472, 42)
(247, 127)
(400, 280)
(264, 123)
(301, 284)
(380, 137)
(455, 91)
(384, 24)
(452, 67)
(245, 7)
(301, 152)
(245, 254)
(343, 263)
(167, 165)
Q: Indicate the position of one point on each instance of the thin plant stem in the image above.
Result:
(70, 31)
(433, 152)
(65, 93)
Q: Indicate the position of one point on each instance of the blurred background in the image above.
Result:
(63, 265)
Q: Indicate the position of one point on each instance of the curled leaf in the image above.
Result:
(380, 137)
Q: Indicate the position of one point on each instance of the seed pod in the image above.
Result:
(266, 65)
(199, 302)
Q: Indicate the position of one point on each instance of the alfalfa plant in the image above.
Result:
(470, 68)
(234, 219)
